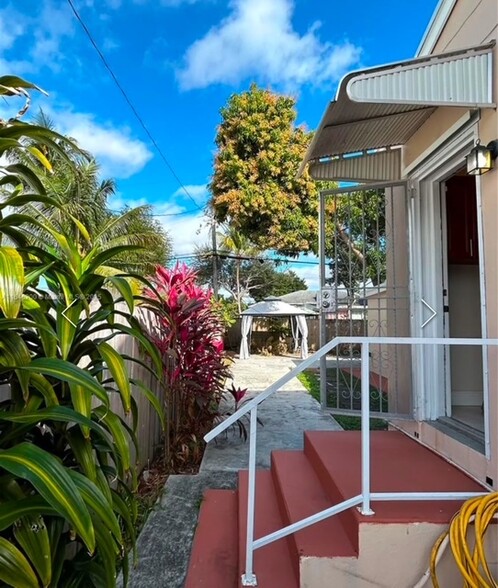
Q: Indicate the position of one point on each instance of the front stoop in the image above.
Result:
(389, 549)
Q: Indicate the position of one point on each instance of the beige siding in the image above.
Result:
(471, 23)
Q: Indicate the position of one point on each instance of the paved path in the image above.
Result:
(285, 415)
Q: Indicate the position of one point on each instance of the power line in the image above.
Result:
(163, 214)
(244, 258)
(130, 104)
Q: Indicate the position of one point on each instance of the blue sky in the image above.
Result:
(179, 61)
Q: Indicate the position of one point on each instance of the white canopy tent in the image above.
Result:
(274, 308)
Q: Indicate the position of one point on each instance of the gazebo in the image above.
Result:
(273, 307)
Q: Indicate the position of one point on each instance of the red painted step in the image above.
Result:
(273, 563)
(398, 464)
(300, 495)
(213, 560)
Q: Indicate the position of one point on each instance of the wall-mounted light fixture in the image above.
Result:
(480, 159)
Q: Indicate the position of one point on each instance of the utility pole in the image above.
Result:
(215, 257)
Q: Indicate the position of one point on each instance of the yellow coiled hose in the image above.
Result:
(471, 561)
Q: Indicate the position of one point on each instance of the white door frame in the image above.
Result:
(426, 269)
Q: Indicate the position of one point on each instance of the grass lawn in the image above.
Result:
(349, 423)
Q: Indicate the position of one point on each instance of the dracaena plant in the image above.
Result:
(188, 334)
(67, 477)
(66, 471)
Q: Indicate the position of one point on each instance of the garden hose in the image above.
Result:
(471, 561)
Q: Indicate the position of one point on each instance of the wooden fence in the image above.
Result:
(149, 430)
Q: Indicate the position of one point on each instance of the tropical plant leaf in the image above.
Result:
(24, 198)
(120, 506)
(108, 552)
(67, 372)
(55, 528)
(33, 275)
(117, 367)
(149, 347)
(82, 403)
(32, 535)
(11, 281)
(53, 482)
(22, 172)
(14, 352)
(19, 323)
(40, 156)
(117, 429)
(62, 414)
(44, 325)
(13, 510)
(153, 400)
(45, 388)
(97, 502)
(96, 258)
(83, 452)
(16, 82)
(14, 567)
(123, 287)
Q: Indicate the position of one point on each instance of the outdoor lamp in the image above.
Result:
(480, 159)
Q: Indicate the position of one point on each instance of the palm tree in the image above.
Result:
(73, 182)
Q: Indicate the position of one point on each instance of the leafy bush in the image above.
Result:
(188, 335)
(226, 310)
(67, 507)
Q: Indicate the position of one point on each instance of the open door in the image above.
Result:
(462, 301)
(448, 294)
(364, 261)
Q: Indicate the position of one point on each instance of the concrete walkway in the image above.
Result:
(284, 416)
(165, 541)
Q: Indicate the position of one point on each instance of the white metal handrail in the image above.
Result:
(363, 500)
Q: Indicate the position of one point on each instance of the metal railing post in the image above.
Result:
(249, 577)
(365, 429)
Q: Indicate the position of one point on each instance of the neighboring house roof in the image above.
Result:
(309, 298)
(273, 306)
(300, 297)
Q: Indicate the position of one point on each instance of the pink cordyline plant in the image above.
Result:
(189, 337)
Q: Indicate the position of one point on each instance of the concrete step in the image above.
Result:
(214, 556)
(300, 494)
(398, 464)
(273, 563)
(390, 549)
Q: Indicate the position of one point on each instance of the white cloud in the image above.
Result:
(257, 40)
(119, 154)
(12, 26)
(198, 192)
(186, 230)
(39, 35)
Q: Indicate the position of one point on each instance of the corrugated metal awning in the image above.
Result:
(382, 107)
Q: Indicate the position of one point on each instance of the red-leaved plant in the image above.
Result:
(236, 396)
(189, 336)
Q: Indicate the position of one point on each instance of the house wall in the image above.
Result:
(471, 23)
